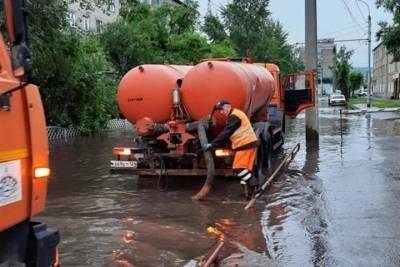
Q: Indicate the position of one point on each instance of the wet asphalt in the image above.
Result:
(338, 204)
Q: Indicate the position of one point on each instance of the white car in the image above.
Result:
(336, 99)
(362, 93)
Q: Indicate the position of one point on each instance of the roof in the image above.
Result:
(178, 2)
(376, 47)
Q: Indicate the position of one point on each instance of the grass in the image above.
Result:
(376, 102)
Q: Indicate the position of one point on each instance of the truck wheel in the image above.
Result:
(264, 158)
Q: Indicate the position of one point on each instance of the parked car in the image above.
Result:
(336, 99)
(362, 93)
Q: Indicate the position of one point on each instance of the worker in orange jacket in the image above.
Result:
(244, 142)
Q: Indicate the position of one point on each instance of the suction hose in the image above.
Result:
(201, 131)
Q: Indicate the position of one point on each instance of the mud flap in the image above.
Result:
(42, 245)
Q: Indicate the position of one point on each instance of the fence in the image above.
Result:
(56, 133)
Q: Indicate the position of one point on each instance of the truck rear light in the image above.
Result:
(223, 152)
(42, 172)
(122, 151)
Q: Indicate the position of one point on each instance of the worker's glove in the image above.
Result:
(207, 147)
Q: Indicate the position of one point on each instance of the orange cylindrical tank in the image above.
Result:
(248, 87)
(146, 91)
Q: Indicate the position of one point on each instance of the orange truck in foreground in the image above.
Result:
(24, 163)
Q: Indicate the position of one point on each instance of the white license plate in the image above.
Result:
(123, 164)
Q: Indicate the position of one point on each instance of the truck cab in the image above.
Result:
(24, 163)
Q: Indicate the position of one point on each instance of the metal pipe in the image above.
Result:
(284, 163)
(214, 254)
(201, 131)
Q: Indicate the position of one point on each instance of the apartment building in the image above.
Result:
(91, 16)
(386, 74)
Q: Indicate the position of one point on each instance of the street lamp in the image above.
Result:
(369, 52)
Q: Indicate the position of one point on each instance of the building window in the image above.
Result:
(71, 19)
(85, 24)
(99, 26)
(111, 6)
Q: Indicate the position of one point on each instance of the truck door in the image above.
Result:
(299, 92)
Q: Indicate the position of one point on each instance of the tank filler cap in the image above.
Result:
(141, 68)
(210, 65)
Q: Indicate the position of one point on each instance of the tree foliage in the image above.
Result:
(356, 80)
(69, 69)
(156, 35)
(251, 27)
(342, 71)
(214, 28)
(390, 33)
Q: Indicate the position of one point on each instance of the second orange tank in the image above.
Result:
(248, 87)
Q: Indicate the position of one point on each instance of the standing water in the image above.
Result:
(337, 205)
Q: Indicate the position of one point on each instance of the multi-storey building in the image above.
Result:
(386, 77)
(326, 62)
(91, 16)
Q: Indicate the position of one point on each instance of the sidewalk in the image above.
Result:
(362, 108)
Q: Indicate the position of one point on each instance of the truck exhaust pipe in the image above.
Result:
(201, 131)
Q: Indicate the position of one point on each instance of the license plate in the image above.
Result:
(123, 164)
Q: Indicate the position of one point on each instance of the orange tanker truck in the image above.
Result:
(24, 165)
(171, 109)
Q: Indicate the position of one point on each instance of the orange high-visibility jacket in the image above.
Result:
(244, 134)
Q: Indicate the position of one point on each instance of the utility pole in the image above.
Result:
(312, 124)
(369, 52)
(369, 61)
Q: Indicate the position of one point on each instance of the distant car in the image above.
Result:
(362, 93)
(336, 99)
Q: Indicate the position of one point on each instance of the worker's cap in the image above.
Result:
(220, 104)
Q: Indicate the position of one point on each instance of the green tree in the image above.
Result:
(244, 20)
(342, 71)
(390, 33)
(214, 28)
(356, 80)
(251, 27)
(69, 69)
(146, 35)
(273, 47)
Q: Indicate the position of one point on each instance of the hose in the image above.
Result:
(201, 131)
(162, 175)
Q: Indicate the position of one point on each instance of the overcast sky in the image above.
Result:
(334, 21)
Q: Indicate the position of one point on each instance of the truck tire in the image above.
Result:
(264, 157)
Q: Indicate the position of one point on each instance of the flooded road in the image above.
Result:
(338, 205)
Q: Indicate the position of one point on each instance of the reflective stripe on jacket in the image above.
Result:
(244, 134)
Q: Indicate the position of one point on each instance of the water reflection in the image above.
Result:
(334, 199)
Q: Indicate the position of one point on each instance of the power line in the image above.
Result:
(359, 10)
(351, 13)
(344, 30)
(339, 41)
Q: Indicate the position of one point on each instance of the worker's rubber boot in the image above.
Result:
(248, 181)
